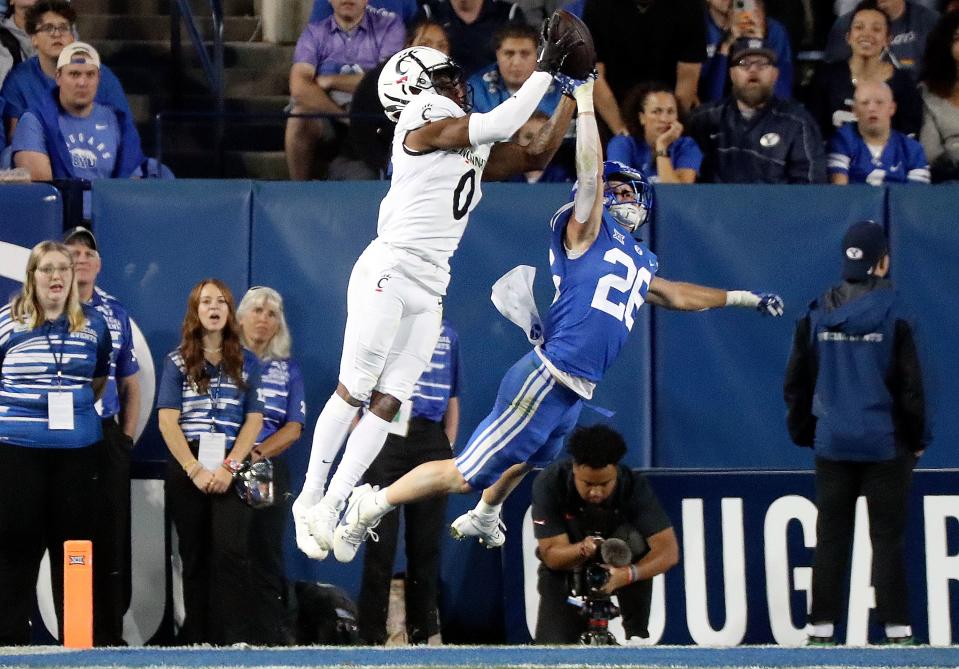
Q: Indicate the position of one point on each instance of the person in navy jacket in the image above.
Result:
(210, 412)
(54, 362)
(854, 393)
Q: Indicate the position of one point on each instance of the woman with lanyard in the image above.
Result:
(263, 331)
(210, 413)
(54, 360)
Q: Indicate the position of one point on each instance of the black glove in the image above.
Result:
(554, 49)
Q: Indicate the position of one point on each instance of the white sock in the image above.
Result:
(362, 448)
(484, 509)
(328, 435)
(822, 629)
(379, 501)
(898, 631)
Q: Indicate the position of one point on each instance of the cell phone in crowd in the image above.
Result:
(746, 16)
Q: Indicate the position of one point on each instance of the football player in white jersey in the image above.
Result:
(395, 295)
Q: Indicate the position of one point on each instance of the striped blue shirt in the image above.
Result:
(29, 363)
(123, 363)
(281, 384)
(441, 380)
(222, 408)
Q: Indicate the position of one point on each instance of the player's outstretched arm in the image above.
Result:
(509, 158)
(497, 125)
(682, 296)
(583, 225)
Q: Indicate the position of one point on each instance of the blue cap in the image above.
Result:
(748, 46)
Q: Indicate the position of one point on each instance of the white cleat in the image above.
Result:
(489, 530)
(358, 522)
(322, 519)
(304, 540)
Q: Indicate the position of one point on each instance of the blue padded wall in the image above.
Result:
(28, 215)
(718, 375)
(158, 239)
(925, 268)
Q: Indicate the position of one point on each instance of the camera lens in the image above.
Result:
(596, 577)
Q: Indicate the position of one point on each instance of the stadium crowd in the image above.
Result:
(692, 91)
(695, 90)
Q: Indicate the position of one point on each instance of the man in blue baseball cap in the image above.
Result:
(855, 394)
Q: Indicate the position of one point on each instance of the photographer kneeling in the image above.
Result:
(579, 503)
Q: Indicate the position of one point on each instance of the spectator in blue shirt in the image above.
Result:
(425, 430)
(68, 135)
(54, 362)
(655, 144)
(210, 408)
(723, 27)
(870, 151)
(51, 24)
(264, 332)
(516, 46)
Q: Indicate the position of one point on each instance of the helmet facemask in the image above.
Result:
(628, 201)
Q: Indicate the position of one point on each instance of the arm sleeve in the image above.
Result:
(916, 163)
(687, 154)
(29, 135)
(104, 351)
(713, 82)
(799, 386)
(546, 512)
(252, 398)
(170, 391)
(127, 364)
(305, 50)
(501, 123)
(784, 58)
(929, 135)
(912, 425)
(840, 155)
(296, 397)
(807, 162)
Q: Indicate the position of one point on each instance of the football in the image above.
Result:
(581, 59)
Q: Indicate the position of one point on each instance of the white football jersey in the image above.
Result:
(432, 194)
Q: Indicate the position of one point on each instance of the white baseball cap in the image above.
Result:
(80, 53)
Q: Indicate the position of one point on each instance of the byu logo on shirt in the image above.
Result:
(85, 151)
(769, 140)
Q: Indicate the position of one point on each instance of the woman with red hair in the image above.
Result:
(210, 415)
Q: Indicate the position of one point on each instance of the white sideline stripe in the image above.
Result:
(510, 427)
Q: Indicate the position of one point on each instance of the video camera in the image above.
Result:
(587, 592)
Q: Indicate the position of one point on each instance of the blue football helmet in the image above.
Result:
(631, 214)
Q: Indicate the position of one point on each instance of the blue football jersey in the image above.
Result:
(903, 159)
(597, 297)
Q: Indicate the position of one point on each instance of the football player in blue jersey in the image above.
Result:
(603, 276)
